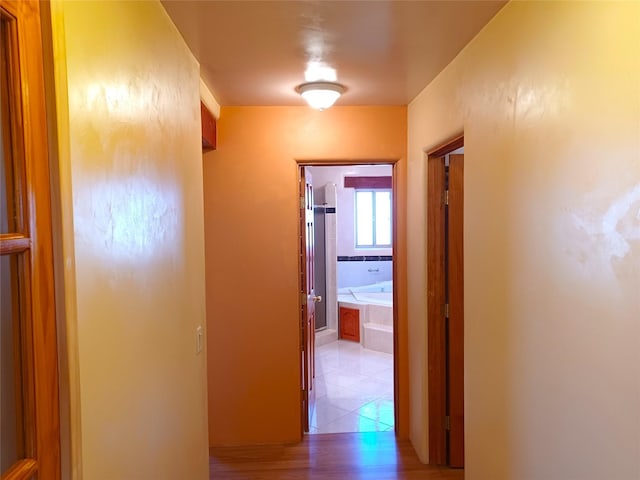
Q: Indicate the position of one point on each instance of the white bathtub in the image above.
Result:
(375, 303)
(378, 298)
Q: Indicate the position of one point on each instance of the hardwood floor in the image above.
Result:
(338, 456)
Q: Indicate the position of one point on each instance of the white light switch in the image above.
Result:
(199, 339)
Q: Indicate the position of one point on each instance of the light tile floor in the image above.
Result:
(354, 389)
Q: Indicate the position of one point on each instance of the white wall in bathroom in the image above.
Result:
(351, 273)
(346, 197)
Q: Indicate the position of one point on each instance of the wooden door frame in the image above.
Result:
(394, 249)
(41, 412)
(56, 95)
(436, 350)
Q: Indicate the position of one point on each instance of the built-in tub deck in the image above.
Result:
(375, 305)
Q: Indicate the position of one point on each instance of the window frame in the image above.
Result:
(374, 244)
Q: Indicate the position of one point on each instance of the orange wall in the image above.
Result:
(130, 178)
(548, 95)
(251, 237)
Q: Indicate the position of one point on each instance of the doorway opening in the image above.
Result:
(445, 303)
(348, 319)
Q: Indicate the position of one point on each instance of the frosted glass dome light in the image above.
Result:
(320, 95)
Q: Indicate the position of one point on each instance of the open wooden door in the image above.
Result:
(455, 293)
(445, 305)
(307, 297)
(29, 426)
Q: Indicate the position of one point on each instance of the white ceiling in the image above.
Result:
(384, 52)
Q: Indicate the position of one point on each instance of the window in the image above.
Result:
(373, 218)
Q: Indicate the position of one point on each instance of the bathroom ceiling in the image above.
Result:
(384, 52)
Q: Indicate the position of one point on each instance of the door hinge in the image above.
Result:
(445, 197)
(447, 422)
(303, 298)
(445, 310)
(302, 203)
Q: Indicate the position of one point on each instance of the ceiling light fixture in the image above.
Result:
(320, 95)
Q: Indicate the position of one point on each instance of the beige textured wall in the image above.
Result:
(251, 222)
(132, 214)
(548, 96)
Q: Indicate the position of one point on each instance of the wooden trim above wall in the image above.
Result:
(209, 138)
(449, 146)
(367, 182)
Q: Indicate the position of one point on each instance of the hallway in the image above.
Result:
(161, 350)
(365, 456)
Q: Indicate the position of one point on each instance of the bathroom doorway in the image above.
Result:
(352, 385)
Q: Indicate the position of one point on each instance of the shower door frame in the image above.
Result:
(321, 306)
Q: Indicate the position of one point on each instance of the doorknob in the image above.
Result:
(317, 298)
